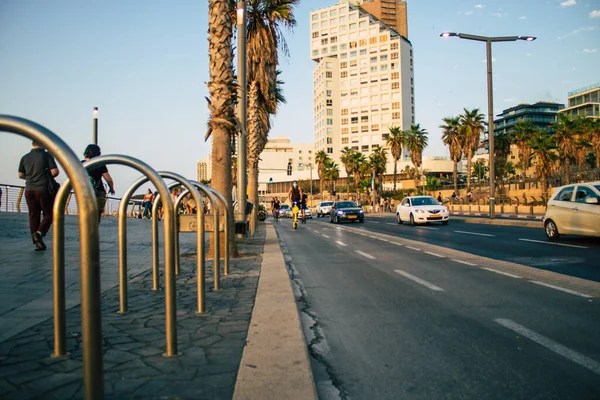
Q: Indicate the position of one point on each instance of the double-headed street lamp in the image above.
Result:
(488, 41)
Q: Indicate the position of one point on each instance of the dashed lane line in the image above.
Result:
(365, 254)
(562, 289)
(325, 236)
(554, 243)
(476, 233)
(419, 280)
(429, 227)
(413, 248)
(464, 262)
(435, 254)
(551, 345)
(342, 243)
(501, 272)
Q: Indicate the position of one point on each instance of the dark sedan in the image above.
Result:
(346, 211)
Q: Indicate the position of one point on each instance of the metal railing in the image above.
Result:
(84, 204)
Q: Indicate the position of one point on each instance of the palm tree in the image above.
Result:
(594, 137)
(321, 159)
(347, 159)
(564, 130)
(394, 140)
(453, 137)
(473, 125)
(359, 168)
(377, 162)
(331, 172)
(502, 142)
(415, 140)
(521, 133)
(223, 92)
(542, 150)
(265, 19)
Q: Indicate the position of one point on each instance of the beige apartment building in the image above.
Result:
(393, 13)
(363, 80)
(584, 102)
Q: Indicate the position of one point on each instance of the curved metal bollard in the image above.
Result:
(200, 261)
(91, 318)
(170, 306)
(212, 196)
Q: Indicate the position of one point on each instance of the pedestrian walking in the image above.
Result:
(38, 169)
(439, 198)
(147, 202)
(96, 176)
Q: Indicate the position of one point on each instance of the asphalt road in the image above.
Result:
(388, 320)
(571, 255)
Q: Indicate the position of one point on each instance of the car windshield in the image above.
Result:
(597, 187)
(424, 201)
(285, 206)
(346, 204)
(327, 204)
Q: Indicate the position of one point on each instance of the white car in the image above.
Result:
(323, 208)
(421, 210)
(573, 210)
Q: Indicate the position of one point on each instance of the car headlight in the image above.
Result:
(444, 210)
(340, 212)
(419, 211)
(360, 211)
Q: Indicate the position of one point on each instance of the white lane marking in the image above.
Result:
(553, 243)
(390, 223)
(429, 227)
(550, 344)
(373, 222)
(475, 233)
(384, 240)
(342, 244)
(413, 248)
(325, 236)
(501, 272)
(562, 289)
(435, 254)
(419, 280)
(365, 254)
(465, 262)
(397, 244)
(373, 237)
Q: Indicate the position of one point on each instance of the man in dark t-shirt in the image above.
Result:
(96, 176)
(37, 167)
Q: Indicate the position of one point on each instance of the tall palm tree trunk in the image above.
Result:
(455, 175)
(222, 103)
(395, 172)
(469, 165)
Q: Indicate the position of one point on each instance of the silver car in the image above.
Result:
(573, 210)
(323, 208)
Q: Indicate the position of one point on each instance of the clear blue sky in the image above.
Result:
(144, 63)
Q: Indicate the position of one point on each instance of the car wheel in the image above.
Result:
(444, 222)
(551, 230)
(399, 219)
(412, 220)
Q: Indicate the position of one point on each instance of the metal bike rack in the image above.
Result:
(210, 192)
(91, 317)
(200, 261)
(216, 248)
(170, 306)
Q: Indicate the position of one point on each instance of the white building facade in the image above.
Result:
(363, 81)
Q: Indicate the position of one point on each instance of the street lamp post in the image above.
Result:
(95, 130)
(488, 45)
(242, 98)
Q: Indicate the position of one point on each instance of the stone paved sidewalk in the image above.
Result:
(211, 344)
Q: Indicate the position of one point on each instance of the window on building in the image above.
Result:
(315, 53)
(314, 17)
(344, 121)
(344, 111)
(315, 35)
(324, 41)
(363, 52)
(373, 59)
(364, 128)
(383, 38)
(395, 85)
(343, 46)
(354, 129)
(328, 93)
(329, 140)
(395, 115)
(374, 128)
(364, 148)
(330, 150)
(329, 112)
(373, 40)
(315, 26)
(394, 46)
(396, 75)
(374, 69)
(383, 57)
(352, 54)
(362, 42)
(329, 102)
(345, 131)
(354, 120)
(374, 146)
(329, 121)
(344, 140)
(394, 56)
(395, 106)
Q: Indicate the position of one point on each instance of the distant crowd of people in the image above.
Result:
(186, 206)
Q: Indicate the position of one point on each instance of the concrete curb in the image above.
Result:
(275, 362)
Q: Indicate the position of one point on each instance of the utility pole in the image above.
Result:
(95, 130)
(242, 98)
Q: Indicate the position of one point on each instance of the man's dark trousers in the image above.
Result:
(39, 201)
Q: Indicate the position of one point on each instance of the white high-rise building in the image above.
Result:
(363, 81)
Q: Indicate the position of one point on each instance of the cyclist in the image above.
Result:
(275, 206)
(295, 197)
